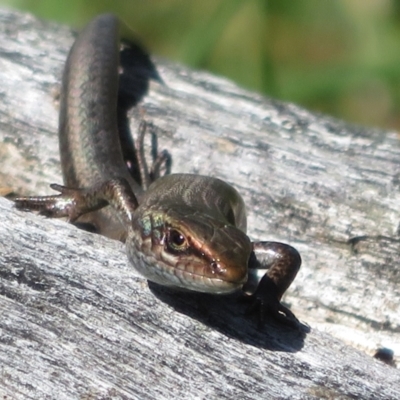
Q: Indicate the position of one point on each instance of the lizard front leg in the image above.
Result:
(72, 203)
(272, 268)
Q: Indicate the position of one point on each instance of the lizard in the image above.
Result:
(184, 231)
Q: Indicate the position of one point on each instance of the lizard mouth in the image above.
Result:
(182, 276)
(202, 266)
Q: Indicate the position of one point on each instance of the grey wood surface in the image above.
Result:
(78, 322)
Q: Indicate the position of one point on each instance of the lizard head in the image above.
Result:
(189, 250)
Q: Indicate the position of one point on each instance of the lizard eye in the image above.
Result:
(176, 241)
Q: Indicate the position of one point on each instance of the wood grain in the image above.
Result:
(78, 322)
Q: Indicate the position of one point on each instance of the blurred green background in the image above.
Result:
(340, 57)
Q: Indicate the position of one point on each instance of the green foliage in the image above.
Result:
(340, 57)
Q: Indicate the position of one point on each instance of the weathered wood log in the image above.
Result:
(78, 322)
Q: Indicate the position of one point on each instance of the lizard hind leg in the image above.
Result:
(161, 161)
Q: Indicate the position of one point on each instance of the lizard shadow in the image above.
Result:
(136, 71)
(226, 314)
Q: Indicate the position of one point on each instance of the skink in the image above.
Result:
(185, 231)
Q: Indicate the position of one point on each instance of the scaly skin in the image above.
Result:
(88, 135)
(185, 231)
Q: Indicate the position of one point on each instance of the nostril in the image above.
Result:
(215, 267)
